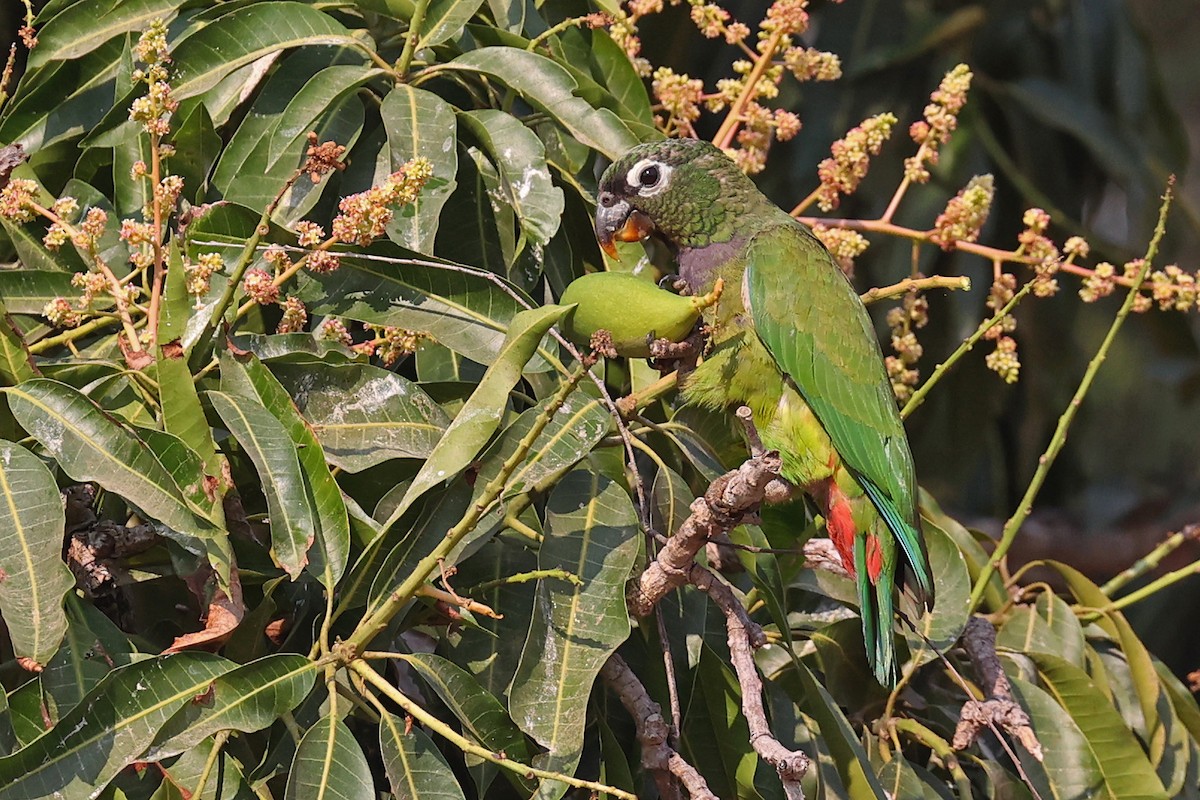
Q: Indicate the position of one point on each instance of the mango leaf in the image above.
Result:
(462, 308)
(27, 291)
(293, 523)
(72, 99)
(329, 765)
(525, 182)
(941, 626)
(318, 95)
(445, 19)
(478, 419)
(1126, 771)
(419, 124)
(83, 27)
(249, 698)
(16, 362)
(248, 376)
(35, 577)
(89, 445)
(578, 425)
(1071, 770)
(591, 531)
(481, 714)
(1048, 626)
(109, 730)
(223, 776)
(623, 82)
(247, 34)
(361, 414)
(415, 767)
(548, 87)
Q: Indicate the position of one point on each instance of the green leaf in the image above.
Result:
(463, 310)
(109, 730)
(322, 92)
(363, 415)
(83, 27)
(329, 765)
(35, 577)
(1126, 771)
(89, 445)
(445, 19)
(525, 182)
(249, 698)
(550, 88)
(27, 291)
(248, 376)
(419, 124)
(941, 626)
(224, 778)
(247, 34)
(591, 531)
(479, 418)
(293, 523)
(481, 714)
(622, 80)
(415, 767)
(16, 363)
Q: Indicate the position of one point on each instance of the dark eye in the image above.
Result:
(649, 176)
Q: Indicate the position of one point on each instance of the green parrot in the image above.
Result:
(795, 345)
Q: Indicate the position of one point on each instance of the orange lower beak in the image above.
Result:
(635, 227)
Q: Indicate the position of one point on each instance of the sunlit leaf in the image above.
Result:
(329, 764)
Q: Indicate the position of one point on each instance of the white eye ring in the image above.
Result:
(634, 177)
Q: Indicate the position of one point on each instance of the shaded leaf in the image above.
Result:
(247, 375)
(329, 764)
(246, 34)
(550, 88)
(415, 767)
(293, 526)
(591, 531)
(249, 698)
(445, 19)
(34, 575)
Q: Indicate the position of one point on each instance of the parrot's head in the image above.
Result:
(686, 191)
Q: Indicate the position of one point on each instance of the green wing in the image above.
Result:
(818, 332)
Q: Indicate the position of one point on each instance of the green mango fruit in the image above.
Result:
(633, 310)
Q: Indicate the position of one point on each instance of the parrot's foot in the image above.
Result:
(675, 283)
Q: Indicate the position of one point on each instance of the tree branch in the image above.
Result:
(979, 640)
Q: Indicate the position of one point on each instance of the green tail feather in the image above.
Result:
(909, 538)
(875, 608)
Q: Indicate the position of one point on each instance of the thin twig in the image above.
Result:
(1068, 416)
(364, 670)
(999, 707)
(1152, 559)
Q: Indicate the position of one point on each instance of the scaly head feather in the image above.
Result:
(685, 190)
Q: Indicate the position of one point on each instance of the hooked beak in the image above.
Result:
(620, 223)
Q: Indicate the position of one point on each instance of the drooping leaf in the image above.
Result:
(293, 523)
(419, 124)
(89, 445)
(329, 765)
(478, 419)
(415, 767)
(591, 532)
(35, 577)
(247, 375)
(110, 729)
(247, 699)
(941, 626)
